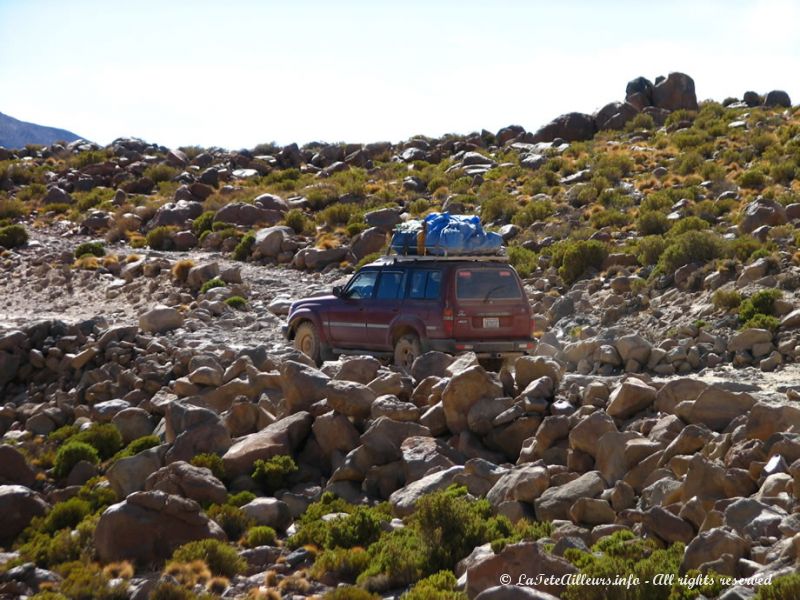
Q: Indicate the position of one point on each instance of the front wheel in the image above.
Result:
(306, 340)
(406, 351)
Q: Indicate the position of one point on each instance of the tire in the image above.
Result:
(406, 349)
(306, 340)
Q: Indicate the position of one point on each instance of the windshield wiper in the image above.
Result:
(494, 289)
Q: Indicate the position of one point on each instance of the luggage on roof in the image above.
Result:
(443, 234)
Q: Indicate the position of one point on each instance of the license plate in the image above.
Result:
(491, 322)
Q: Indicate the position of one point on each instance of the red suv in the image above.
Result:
(402, 306)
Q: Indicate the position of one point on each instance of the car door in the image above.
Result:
(346, 319)
(491, 304)
(384, 308)
(423, 300)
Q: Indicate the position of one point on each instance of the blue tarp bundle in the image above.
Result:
(446, 234)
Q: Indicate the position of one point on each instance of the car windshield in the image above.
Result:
(487, 284)
(362, 285)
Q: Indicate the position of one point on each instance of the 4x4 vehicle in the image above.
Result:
(404, 306)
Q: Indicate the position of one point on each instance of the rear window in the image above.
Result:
(425, 285)
(487, 284)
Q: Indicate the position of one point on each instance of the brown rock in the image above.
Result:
(18, 505)
(462, 391)
(675, 92)
(629, 398)
(148, 526)
(185, 480)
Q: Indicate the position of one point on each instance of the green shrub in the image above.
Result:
(652, 222)
(524, 530)
(63, 546)
(688, 224)
(760, 303)
(236, 302)
(272, 474)
(86, 581)
(47, 595)
(650, 248)
(86, 200)
(210, 461)
(103, 437)
(71, 454)
(159, 173)
(11, 208)
(92, 248)
(579, 257)
(216, 282)
(165, 590)
(523, 260)
(220, 558)
(260, 535)
(752, 178)
(499, 206)
(692, 246)
(243, 248)
(640, 121)
(338, 214)
(138, 445)
(349, 592)
(742, 247)
(536, 210)
(240, 498)
(782, 588)
(98, 493)
(726, 299)
(368, 259)
(12, 236)
(160, 238)
(396, 560)
(203, 222)
(439, 586)
(760, 321)
(232, 519)
(66, 514)
(62, 434)
(345, 564)
(362, 527)
(296, 219)
(609, 218)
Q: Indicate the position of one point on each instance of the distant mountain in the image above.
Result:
(16, 134)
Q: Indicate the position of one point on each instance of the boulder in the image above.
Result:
(160, 320)
(711, 545)
(193, 430)
(270, 512)
(182, 479)
(629, 398)
(675, 92)
(556, 501)
(716, 407)
(513, 592)
(463, 390)
(335, 432)
(591, 512)
(133, 423)
(764, 420)
(176, 214)
(633, 347)
(385, 436)
(405, 499)
(247, 215)
(271, 202)
(269, 240)
(302, 385)
(349, 398)
(14, 469)
(529, 368)
(18, 505)
(589, 430)
(147, 527)
(760, 212)
(520, 561)
(281, 437)
(778, 98)
(383, 219)
(129, 475)
(422, 455)
(678, 390)
(571, 127)
(523, 483)
(753, 520)
(667, 526)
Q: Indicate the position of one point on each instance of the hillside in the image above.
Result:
(150, 396)
(18, 134)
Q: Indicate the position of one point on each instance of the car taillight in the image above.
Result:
(447, 321)
(533, 326)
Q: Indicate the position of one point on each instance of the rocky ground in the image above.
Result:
(160, 439)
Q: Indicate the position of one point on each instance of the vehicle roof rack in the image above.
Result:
(403, 258)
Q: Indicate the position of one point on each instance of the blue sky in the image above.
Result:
(235, 73)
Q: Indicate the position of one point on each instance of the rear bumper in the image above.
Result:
(493, 349)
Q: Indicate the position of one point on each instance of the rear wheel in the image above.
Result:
(306, 340)
(406, 349)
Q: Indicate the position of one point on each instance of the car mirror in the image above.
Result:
(337, 291)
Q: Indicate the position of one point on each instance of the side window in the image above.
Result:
(425, 285)
(434, 285)
(390, 286)
(418, 280)
(362, 285)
